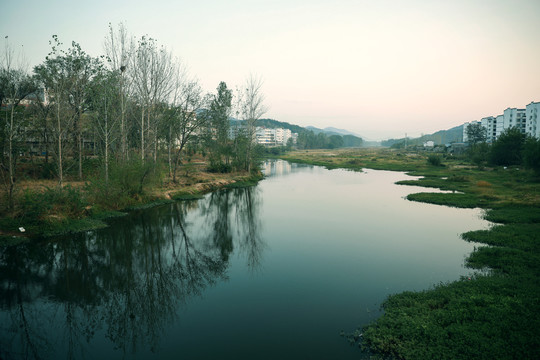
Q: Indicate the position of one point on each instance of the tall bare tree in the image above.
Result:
(252, 108)
(152, 74)
(119, 48)
(186, 121)
(52, 78)
(103, 99)
(81, 68)
(15, 86)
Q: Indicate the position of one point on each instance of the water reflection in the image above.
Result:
(122, 286)
(277, 167)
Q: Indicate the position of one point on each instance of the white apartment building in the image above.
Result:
(490, 124)
(514, 118)
(532, 115)
(499, 125)
(271, 137)
(283, 135)
(265, 136)
(465, 135)
(526, 120)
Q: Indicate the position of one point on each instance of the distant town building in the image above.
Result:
(490, 124)
(274, 137)
(465, 126)
(526, 120)
(513, 117)
(532, 114)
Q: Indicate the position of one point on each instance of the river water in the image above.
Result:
(275, 271)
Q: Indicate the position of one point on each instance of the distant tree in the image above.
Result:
(335, 141)
(352, 141)
(479, 153)
(531, 153)
(476, 133)
(507, 149)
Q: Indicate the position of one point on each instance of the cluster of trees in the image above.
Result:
(512, 147)
(307, 139)
(135, 103)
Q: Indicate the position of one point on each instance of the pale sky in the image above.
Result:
(378, 68)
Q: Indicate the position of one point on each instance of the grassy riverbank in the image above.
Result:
(42, 209)
(493, 316)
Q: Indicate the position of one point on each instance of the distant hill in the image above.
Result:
(331, 131)
(340, 131)
(349, 139)
(272, 124)
(440, 137)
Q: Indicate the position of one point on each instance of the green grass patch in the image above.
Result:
(68, 226)
(489, 317)
(449, 199)
(514, 214)
(8, 240)
(435, 182)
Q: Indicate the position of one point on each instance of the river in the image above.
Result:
(272, 271)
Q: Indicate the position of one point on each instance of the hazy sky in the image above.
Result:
(378, 68)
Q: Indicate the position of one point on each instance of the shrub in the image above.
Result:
(434, 160)
(531, 154)
(64, 202)
(507, 149)
(219, 167)
(126, 185)
(483, 183)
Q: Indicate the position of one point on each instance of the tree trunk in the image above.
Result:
(176, 162)
(106, 150)
(142, 135)
(60, 171)
(10, 159)
(122, 120)
(169, 155)
(80, 146)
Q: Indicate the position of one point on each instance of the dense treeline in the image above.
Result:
(512, 147)
(307, 139)
(117, 121)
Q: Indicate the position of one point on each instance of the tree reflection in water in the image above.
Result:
(124, 283)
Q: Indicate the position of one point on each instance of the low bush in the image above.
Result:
(434, 160)
(483, 183)
(125, 187)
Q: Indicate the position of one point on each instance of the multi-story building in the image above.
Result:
(465, 126)
(265, 136)
(526, 120)
(283, 135)
(490, 124)
(272, 137)
(513, 117)
(532, 115)
(499, 125)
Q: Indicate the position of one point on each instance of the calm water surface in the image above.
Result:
(273, 271)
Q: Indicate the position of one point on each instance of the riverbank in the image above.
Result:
(492, 315)
(44, 210)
